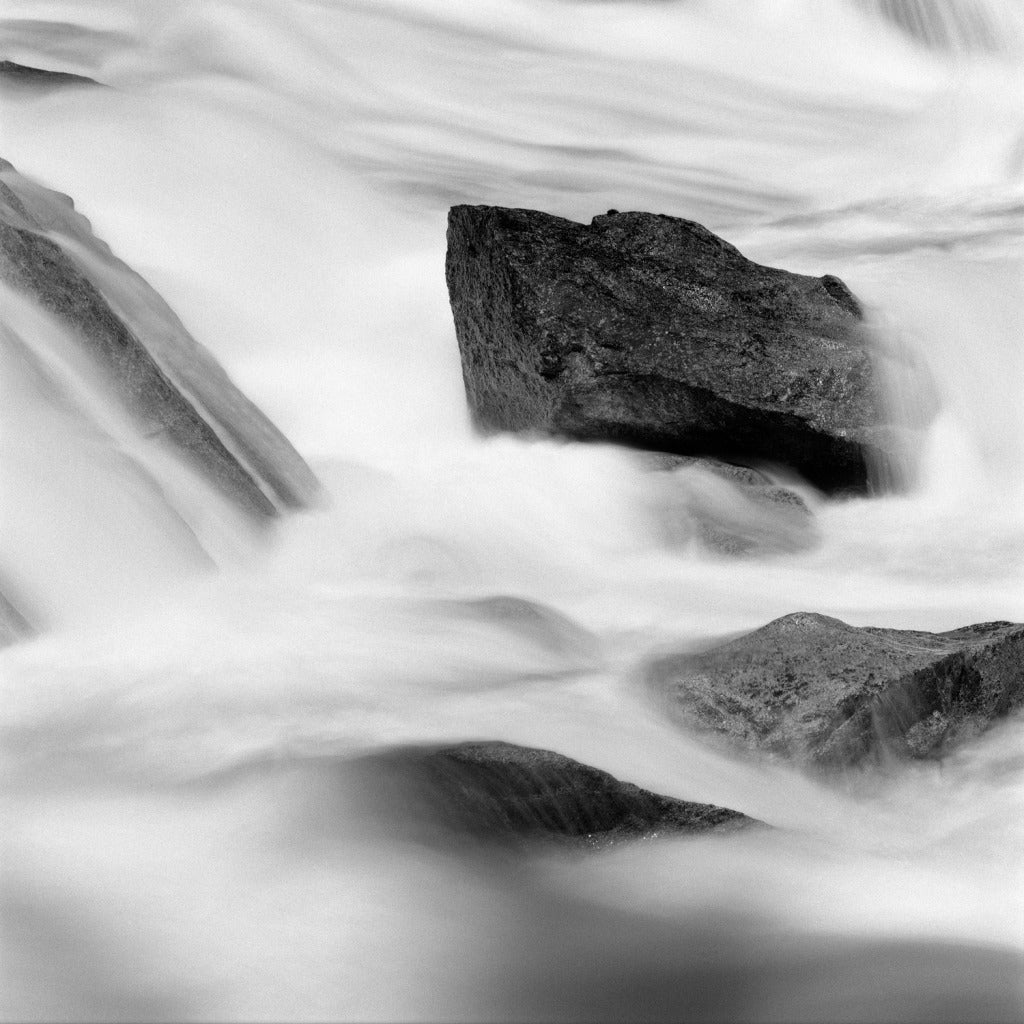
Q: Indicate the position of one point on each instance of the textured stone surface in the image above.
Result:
(651, 331)
(500, 792)
(173, 389)
(814, 689)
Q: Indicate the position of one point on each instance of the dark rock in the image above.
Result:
(174, 390)
(814, 689)
(651, 331)
(12, 73)
(498, 792)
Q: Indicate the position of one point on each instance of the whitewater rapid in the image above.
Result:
(281, 172)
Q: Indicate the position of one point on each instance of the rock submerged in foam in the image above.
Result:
(816, 690)
(730, 510)
(13, 624)
(651, 331)
(23, 76)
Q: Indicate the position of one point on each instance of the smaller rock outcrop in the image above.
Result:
(653, 332)
(496, 792)
(730, 510)
(40, 79)
(814, 689)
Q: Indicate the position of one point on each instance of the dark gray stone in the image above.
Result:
(813, 689)
(173, 389)
(498, 792)
(651, 331)
(12, 73)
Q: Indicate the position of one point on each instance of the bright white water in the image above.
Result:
(280, 172)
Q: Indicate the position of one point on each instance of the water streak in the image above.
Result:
(280, 172)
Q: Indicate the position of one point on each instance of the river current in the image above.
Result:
(280, 172)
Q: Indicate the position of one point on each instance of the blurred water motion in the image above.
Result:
(198, 818)
(293, 891)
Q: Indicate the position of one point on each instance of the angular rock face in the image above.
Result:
(499, 792)
(171, 387)
(814, 689)
(651, 331)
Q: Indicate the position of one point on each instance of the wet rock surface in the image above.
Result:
(496, 792)
(651, 331)
(731, 510)
(172, 388)
(814, 689)
(40, 79)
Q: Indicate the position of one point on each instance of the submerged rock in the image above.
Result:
(500, 792)
(12, 73)
(13, 624)
(731, 510)
(651, 331)
(174, 391)
(814, 689)
(538, 624)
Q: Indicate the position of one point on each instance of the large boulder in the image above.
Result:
(651, 331)
(816, 690)
(115, 328)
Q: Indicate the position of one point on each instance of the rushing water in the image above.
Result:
(280, 171)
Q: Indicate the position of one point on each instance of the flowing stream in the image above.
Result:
(182, 837)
